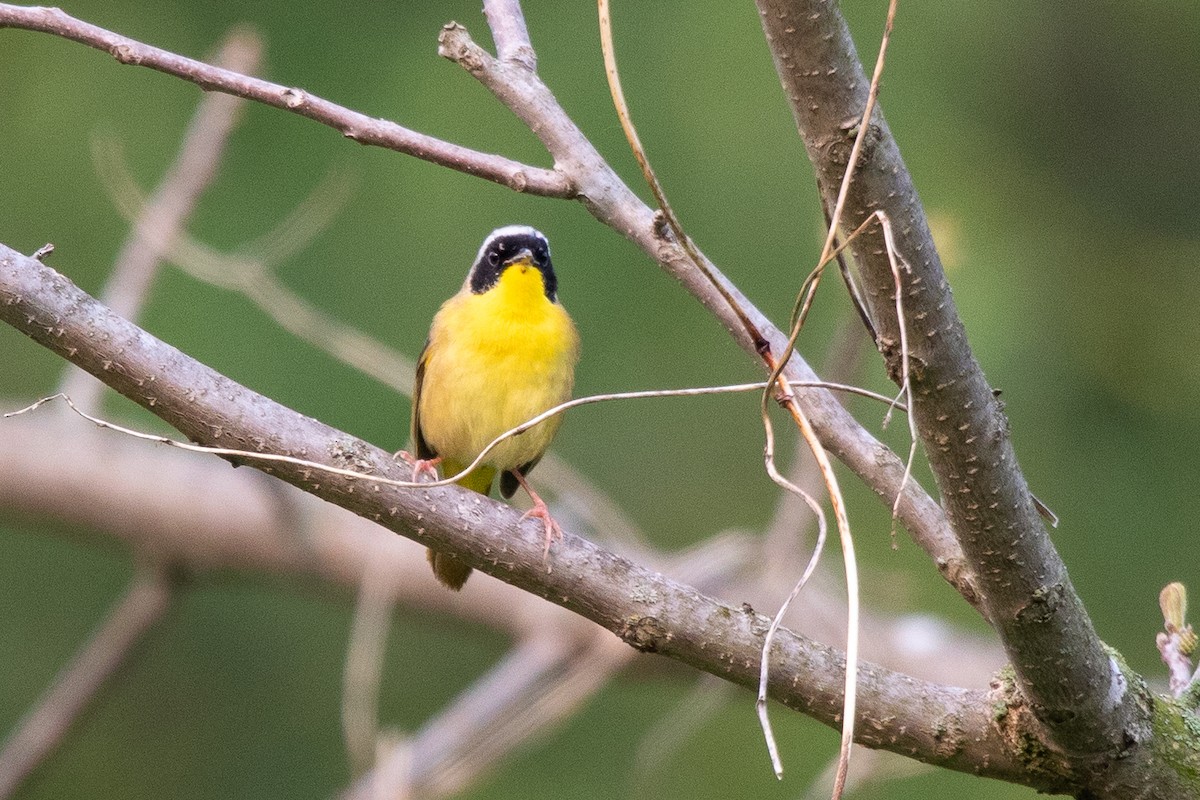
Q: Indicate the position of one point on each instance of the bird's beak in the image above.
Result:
(524, 257)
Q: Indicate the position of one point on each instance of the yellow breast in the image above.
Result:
(495, 360)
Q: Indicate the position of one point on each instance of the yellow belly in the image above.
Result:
(495, 360)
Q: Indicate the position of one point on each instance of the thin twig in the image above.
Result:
(872, 767)
(351, 124)
(664, 206)
(765, 658)
(43, 728)
(843, 524)
(786, 397)
(896, 262)
(252, 455)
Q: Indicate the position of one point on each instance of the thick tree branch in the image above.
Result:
(591, 180)
(1074, 686)
(611, 202)
(159, 499)
(353, 125)
(647, 610)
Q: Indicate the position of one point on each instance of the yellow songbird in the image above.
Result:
(500, 352)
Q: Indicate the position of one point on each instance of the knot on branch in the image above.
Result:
(1042, 605)
(126, 53)
(643, 633)
(455, 44)
(838, 148)
(294, 98)
(1024, 735)
(518, 181)
(893, 359)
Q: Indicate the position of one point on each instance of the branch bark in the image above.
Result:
(942, 725)
(1075, 686)
(351, 124)
(580, 173)
(991, 547)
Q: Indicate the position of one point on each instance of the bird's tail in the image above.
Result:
(446, 568)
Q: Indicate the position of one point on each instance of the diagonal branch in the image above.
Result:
(1074, 686)
(580, 173)
(611, 201)
(40, 732)
(352, 124)
(942, 725)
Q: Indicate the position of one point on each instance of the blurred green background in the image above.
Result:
(1054, 148)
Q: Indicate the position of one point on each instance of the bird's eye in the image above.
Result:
(493, 258)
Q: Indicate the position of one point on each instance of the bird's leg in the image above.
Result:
(420, 466)
(541, 511)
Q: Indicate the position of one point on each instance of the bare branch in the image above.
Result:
(611, 202)
(1075, 687)
(364, 667)
(604, 195)
(140, 497)
(41, 731)
(509, 32)
(353, 125)
(645, 609)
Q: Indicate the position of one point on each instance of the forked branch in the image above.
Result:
(580, 173)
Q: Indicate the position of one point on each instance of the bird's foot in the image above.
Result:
(542, 512)
(553, 531)
(420, 466)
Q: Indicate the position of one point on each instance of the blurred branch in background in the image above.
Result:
(471, 738)
(43, 729)
(254, 526)
(561, 137)
(159, 500)
(606, 197)
(165, 214)
(147, 600)
(644, 608)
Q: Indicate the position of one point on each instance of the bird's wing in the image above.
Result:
(424, 451)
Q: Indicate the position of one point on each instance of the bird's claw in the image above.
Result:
(420, 466)
(553, 530)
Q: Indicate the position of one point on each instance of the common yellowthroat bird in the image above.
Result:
(500, 352)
